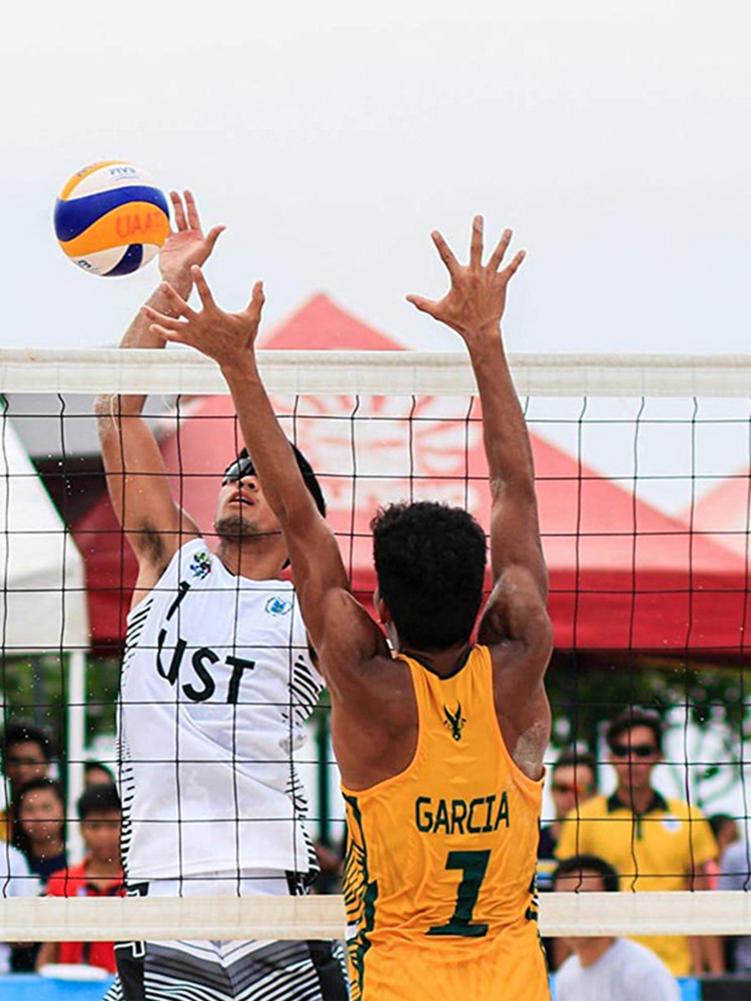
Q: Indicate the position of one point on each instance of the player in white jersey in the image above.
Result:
(216, 683)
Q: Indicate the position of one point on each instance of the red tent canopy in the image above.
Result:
(622, 574)
(724, 513)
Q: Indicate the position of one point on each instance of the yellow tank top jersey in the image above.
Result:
(440, 866)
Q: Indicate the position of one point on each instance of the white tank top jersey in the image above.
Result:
(216, 684)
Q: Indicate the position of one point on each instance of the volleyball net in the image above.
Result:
(643, 469)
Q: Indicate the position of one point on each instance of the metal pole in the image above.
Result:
(322, 749)
(76, 748)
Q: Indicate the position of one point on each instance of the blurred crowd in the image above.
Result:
(635, 839)
(632, 839)
(34, 847)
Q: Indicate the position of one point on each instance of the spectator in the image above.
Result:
(16, 881)
(574, 780)
(95, 773)
(725, 832)
(40, 809)
(99, 875)
(606, 967)
(26, 752)
(724, 829)
(653, 842)
(735, 874)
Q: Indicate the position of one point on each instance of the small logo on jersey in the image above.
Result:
(454, 721)
(278, 606)
(201, 565)
(671, 824)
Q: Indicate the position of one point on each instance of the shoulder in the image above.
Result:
(567, 977)
(737, 855)
(633, 952)
(646, 971)
(636, 956)
(680, 808)
(13, 861)
(577, 829)
(596, 806)
(65, 881)
(192, 562)
(352, 640)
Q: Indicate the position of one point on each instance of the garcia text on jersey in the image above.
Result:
(480, 815)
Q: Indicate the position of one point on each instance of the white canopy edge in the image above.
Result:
(56, 919)
(396, 373)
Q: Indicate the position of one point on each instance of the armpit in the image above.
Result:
(151, 543)
(529, 751)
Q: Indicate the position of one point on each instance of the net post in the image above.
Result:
(76, 742)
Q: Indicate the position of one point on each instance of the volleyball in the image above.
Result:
(110, 218)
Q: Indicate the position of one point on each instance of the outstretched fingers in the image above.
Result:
(424, 305)
(476, 245)
(177, 207)
(447, 255)
(175, 336)
(176, 301)
(512, 268)
(162, 319)
(497, 256)
(213, 236)
(190, 203)
(204, 292)
(257, 299)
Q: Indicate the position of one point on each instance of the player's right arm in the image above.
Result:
(137, 478)
(515, 622)
(351, 650)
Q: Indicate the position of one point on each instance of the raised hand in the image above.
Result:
(226, 337)
(474, 304)
(185, 245)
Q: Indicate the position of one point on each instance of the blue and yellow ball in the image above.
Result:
(110, 219)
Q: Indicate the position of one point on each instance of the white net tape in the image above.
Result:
(322, 917)
(105, 370)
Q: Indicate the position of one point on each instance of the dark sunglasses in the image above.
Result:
(239, 469)
(634, 750)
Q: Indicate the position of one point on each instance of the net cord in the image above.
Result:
(81, 919)
(400, 373)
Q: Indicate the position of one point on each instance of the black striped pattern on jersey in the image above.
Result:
(136, 622)
(231, 971)
(126, 788)
(304, 692)
(126, 781)
(295, 789)
(360, 896)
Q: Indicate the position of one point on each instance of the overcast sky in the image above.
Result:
(613, 135)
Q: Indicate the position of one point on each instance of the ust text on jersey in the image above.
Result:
(203, 686)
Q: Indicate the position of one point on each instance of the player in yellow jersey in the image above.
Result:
(440, 744)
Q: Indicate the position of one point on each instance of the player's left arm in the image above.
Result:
(330, 611)
(515, 623)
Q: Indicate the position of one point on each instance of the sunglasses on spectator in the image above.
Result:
(633, 750)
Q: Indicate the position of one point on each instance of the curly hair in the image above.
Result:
(430, 563)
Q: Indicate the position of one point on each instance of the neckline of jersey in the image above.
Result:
(658, 802)
(461, 664)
